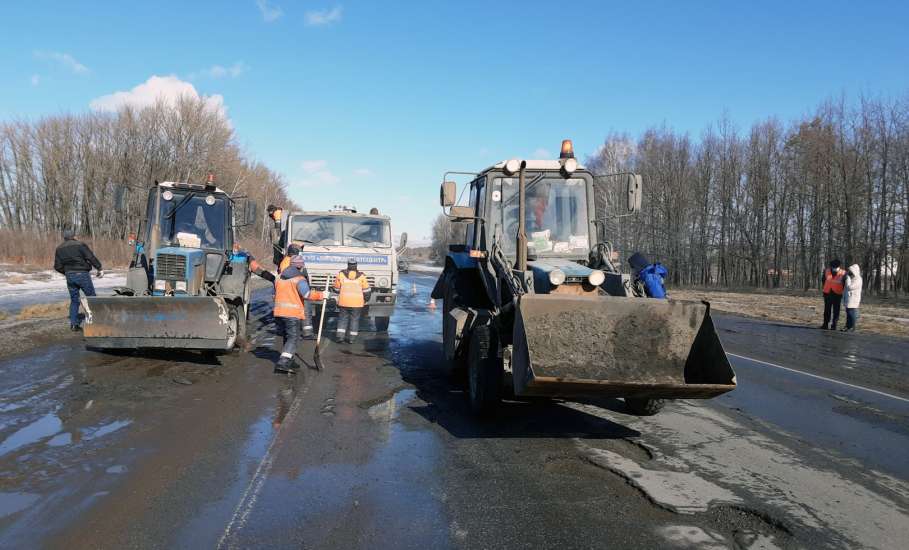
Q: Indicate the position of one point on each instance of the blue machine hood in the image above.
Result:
(541, 269)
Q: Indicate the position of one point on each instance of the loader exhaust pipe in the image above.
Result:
(522, 223)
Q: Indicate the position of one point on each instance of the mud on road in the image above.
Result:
(379, 450)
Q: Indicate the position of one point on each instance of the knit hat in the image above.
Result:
(297, 261)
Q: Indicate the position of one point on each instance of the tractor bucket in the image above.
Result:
(186, 322)
(579, 346)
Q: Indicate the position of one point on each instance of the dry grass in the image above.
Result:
(35, 250)
(55, 310)
(877, 315)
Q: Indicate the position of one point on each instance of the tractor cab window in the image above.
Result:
(555, 214)
(187, 219)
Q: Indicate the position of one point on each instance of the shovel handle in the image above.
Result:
(322, 316)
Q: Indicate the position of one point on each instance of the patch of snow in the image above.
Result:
(426, 268)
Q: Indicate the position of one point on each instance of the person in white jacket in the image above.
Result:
(853, 296)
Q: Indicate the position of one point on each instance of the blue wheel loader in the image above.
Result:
(188, 284)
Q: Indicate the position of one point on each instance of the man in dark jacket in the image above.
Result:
(74, 259)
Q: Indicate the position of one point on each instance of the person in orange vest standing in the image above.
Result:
(353, 293)
(833, 279)
(291, 289)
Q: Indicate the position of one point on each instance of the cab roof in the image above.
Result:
(339, 213)
(191, 186)
(533, 165)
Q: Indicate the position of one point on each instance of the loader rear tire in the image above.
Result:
(484, 371)
(642, 406)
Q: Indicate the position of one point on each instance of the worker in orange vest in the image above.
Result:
(353, 293)
(291, 289)
(834, 280)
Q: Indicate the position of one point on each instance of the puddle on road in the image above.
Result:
(45, 426)
(10, 503)
(101, 431)
(60, 440)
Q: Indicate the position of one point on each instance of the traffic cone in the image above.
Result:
(432, 304)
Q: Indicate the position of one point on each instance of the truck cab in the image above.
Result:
(331, 237)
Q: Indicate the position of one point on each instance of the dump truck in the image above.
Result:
(332, 237)
(188, 282)
(535, 304)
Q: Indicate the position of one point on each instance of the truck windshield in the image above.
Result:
(555, 214)
(187, 216)
(327, 230)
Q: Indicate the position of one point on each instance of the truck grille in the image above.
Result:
(170, 267)
(317, 280)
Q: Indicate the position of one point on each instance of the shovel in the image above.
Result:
(317, 358)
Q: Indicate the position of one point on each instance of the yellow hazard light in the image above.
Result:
(567, 150)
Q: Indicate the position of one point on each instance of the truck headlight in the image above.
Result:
(556, 277)
(596, 277)
(382, 282)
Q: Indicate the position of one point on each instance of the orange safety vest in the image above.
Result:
(288, 302)
(834, 283)
(285, 263)
(351, 285)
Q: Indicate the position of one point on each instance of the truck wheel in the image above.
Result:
(484, 371)
(642, 406)
(382, 324)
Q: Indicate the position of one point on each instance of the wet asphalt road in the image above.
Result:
(379, 450)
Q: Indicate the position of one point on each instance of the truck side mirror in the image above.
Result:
(634, 189)
(402, 242)
(448, 194)
(251, 208)
(119, 199)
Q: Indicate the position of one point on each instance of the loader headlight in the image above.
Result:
(556, 277)
(167, 195)
(596, 277)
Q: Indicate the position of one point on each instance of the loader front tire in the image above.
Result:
(484, 371)
(642, 406)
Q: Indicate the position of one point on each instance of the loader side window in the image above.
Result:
(478, 203)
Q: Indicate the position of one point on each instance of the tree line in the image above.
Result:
(767, 206)
(61, 171)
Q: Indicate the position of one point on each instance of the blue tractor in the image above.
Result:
(188, 283)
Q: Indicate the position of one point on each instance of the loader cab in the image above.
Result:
(192, 217)
(558, 211)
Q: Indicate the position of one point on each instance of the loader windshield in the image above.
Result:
(555, 214)
(187, 217)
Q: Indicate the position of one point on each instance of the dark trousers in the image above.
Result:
(349, 322)
(292, 327)
(832, 303)
(852, 315)
(76, 281)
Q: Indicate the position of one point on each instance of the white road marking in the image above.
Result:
(824, 378)
(251, 494)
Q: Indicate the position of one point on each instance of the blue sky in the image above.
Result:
(368, 103)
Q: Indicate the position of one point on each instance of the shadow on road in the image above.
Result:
(446, 405)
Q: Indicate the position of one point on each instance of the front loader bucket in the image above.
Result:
(579, 346)
(186, 322)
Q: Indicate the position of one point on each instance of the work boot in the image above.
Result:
(285, 365)
(75, 328)
(349, 340)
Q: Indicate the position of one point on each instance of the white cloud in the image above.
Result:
(270, 12)
(363, 172)
(317, 174)
(317, 18)
(157, 88)
(66, 60)
(35, 79)
(220, 71)
(541, 154)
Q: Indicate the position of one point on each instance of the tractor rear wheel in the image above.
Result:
(484, 371)
(382, 324)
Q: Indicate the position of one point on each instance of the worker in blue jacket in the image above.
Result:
(649, 276)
